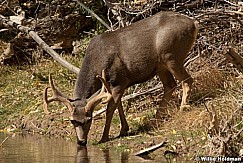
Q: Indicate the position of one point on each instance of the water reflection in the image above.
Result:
(93, 155)
(40, 149)
(82, 155)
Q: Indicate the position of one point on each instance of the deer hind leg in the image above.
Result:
(124, 124)
(111, 107)
(169, 85)
(180, 73)
(186, 87)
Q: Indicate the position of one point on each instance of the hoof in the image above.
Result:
(123, 133)
(185, 108)
(81, 143)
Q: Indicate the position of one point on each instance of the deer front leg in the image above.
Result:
(109, 114)
(111, 107)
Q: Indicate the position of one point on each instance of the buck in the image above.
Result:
(117, 60)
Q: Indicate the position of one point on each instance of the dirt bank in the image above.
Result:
(186, 133)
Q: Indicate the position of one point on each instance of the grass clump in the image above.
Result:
(21, 94)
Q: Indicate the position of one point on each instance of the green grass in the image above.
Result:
(187, 132)
(21, 87)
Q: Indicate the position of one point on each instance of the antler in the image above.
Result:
(105, 92)
(57, 96)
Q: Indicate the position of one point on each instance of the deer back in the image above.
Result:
(130, 55)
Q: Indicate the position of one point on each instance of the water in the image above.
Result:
(40, 149)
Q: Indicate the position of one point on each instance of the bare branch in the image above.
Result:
(4, 141)
(150, 149)
(94, 15)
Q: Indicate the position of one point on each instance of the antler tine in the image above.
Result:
(55, 91)
(45, 99)
(57, 96)
(105, 87)
(104, 83)
(105, 92)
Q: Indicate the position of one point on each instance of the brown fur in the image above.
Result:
(156, 45)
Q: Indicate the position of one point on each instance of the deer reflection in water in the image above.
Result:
(35, 148)
(106, 156)
(82, 155)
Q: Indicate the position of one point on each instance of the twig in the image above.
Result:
(238, 133)
(221, 12)
(94, 15)
(3, 30)
(108, 17)
(150, 149)
(230, 3)
(4, 141)
(191, 60)
(130, 96)
(3, 2)
(102, 110)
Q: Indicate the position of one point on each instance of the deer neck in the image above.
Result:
(86, 85)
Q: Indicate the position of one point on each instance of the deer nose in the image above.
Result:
(82, 142)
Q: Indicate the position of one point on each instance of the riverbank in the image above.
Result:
(186, 133)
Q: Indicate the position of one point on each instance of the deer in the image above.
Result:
(116, 60)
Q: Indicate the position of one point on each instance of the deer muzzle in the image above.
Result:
(81, 129)
(81, 137)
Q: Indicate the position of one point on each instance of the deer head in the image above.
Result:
(80, 111)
